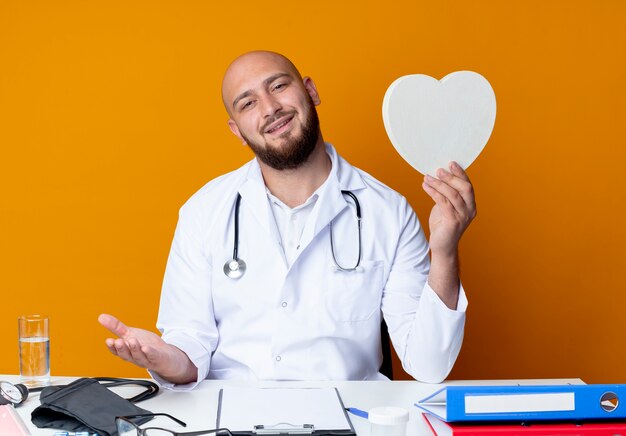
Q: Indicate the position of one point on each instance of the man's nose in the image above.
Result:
(269, 106)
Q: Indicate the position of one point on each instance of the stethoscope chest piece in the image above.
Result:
(234, 268)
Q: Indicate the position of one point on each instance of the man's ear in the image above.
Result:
(233, 128)
(310, 87)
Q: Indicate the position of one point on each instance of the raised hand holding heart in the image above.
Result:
(440, 128)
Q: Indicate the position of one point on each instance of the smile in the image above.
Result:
(280, 126)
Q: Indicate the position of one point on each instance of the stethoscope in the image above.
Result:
(236, 267)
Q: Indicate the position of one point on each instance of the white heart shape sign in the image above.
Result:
(431, 122)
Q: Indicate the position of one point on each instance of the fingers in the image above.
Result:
(132, 351)
(453, 187)
(137, 353)
(124, 347)
(113, 324)
(119, 347)
(444, 195)
(460, 181)
(456, 169)
(447, 198)
(444, 205)
(141, 347)
(110, 343)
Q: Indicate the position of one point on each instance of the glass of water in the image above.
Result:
(34, 344)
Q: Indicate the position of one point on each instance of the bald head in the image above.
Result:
(253, 66)
(271, 109)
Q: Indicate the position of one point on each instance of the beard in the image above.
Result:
(295, 150)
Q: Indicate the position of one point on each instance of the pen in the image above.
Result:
(358, 412)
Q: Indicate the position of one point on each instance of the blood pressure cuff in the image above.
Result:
(87, 405)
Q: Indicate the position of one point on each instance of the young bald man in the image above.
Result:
(317, 277)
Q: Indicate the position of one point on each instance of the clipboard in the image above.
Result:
(283, 411)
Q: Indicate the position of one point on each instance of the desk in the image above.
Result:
(198, 407)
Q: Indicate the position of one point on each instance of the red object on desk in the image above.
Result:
(11, 423)
(441, 428)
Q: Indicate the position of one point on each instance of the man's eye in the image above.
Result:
(279, 86)
(246, 105)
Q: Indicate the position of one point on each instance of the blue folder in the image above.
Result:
(527, 403)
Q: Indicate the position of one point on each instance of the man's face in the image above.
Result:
(272, 109)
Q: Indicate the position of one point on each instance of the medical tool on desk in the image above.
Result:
(89, 405)
(236, 267)
(14, 394)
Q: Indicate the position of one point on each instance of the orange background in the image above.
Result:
(110, 118)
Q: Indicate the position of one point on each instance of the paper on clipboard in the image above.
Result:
(241, 409)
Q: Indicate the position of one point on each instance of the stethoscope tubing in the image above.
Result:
(235, 267)
(358, 220)
(236, 244)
